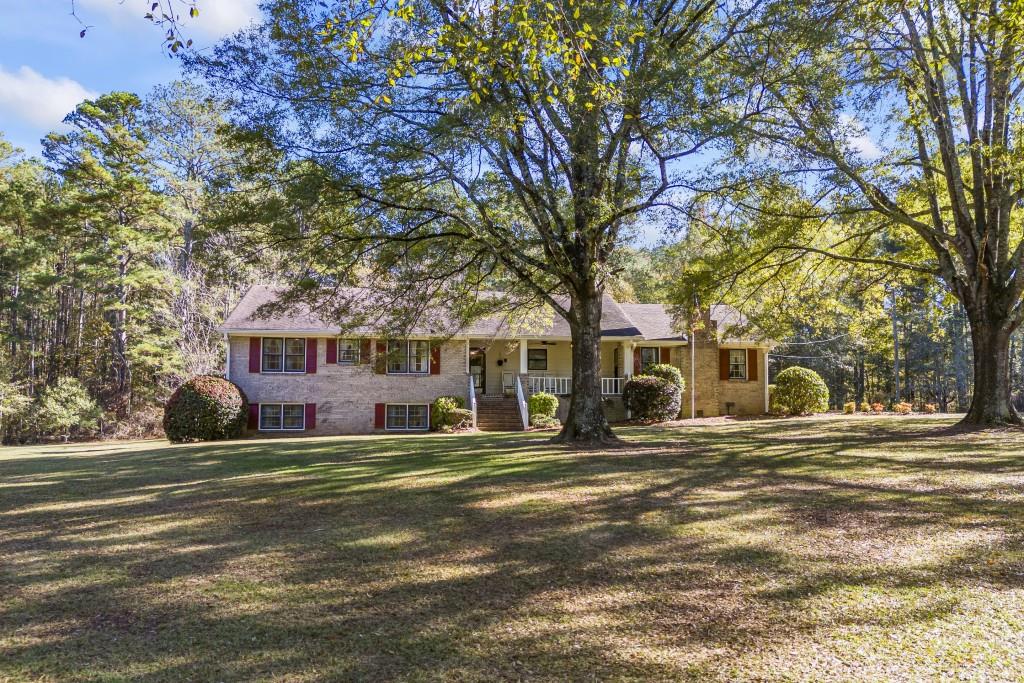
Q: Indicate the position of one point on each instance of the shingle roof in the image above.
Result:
(647, 321)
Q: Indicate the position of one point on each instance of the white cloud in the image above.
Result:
(858, 138)
(216, 18)
(28, 95)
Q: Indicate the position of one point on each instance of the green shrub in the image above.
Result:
(651, 398)
(455, 419)
(667, 372)
(541, 421)
(773, 404)
(865, 407)
(442, 412)
(850, 407)
(543, 403)
(800, 391)
(205, 408)
(66, 406)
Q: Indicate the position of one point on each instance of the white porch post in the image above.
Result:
(764, 377)
(522, 356)
(467, 355)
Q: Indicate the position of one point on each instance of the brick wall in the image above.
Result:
(345, 394)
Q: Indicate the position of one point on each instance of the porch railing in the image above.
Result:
(524, 412)
(612, 386)
(559, 386)
(472, 399)
(562, 386)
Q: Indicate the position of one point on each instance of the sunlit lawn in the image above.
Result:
(838, 549)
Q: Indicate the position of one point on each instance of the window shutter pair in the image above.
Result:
(255, 349)
(723, 365)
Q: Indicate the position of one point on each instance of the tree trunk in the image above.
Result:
(586, 423)
(990, 404)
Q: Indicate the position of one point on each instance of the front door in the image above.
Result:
(478, 368)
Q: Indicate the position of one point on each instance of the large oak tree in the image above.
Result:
(512, 141)
(913, 110)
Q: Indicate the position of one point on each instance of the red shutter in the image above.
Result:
(254, 354)
(364, 351)
(310, 416)
(332, 351)
(381, 365)
(751, 365)
(254, 416)
(378, 415)
(666, 354)
(637, 369)
(311, 356)
(435, 360)
(723, 364)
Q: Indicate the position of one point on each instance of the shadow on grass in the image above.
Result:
(486, 556)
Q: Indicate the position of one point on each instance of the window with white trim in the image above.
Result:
(536, 359)
(407, 417)
(408, 357)
(648, 356)
(737, 363)
(284, 354)
(348, 351)
(282, 417)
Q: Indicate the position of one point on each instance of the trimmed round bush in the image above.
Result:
(205, 408)
(850, 407)
(541, 421)
(667, 372)
(542, 403)
(651, 399)
(800, 391)
(443, 412)
(865, 407)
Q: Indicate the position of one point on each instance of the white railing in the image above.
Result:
(612, 386)
(559, 386)
(472, 399)
(524, 412)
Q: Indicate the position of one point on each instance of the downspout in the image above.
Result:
(693, 374)
(227, 358)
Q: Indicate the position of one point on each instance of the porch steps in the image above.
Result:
(498, 414)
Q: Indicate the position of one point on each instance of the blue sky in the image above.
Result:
(45, 68)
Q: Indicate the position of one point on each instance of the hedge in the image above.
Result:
(651, 398)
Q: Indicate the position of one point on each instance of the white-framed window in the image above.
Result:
(407, 417)
(648, 356)
(408, 357)
(348, 351)
(284, 354)
(282, 417)
(737, 363)
(536, 359)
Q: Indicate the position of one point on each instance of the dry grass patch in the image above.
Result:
(835, 549)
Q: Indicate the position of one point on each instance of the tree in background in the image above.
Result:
(114, 215)
(67, 405)
(509, 143)
(944, 81)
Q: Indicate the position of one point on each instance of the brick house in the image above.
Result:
(301, 374)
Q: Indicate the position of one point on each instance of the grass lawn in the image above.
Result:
(818, 549)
